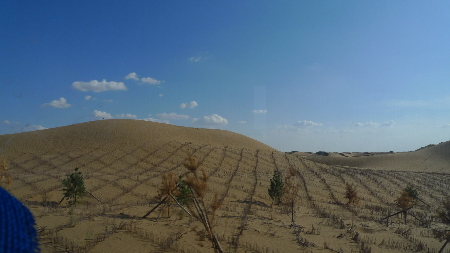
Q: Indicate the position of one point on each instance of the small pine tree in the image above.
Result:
(412, 192)
(74, 187)
(184, 192)
(276, 188)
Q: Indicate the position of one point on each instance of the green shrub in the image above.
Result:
(74, 188)
(276, 188)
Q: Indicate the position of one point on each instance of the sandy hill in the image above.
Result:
(107, 134)
(123, 161)
(433, 158)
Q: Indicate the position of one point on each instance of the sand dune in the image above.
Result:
(123, 162)
(107, 134)
(430, 159)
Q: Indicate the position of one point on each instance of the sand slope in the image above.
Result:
(430, 159)
(123, 161)
(107, 134)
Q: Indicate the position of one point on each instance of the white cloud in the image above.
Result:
(306, 123)
(157, 120)
(133, 76)
(87, 97)
(172, 116)
(213, 120)
(127, 116)
(160, 95)
(108, 100)
(259, 111)
(29, 127)
(242, 122)
(445, 126)
(150, 80)
(97, 86)
(61, 103)
(191, 105)
(7, 122)
(101, 115)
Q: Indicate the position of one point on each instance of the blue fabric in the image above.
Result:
(17, 231)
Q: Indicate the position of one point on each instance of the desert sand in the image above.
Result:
(123, 162)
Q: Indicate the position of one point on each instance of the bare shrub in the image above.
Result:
(444, 215)
(5, 176)
(351, 194)
(198, 185)
(290, 193)
(405, 202)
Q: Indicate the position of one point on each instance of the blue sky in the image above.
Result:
(296, 75)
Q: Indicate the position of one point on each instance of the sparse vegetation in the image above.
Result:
(290, 194)
(5, 176)
(232, 193)
(198, 185)
(74, 188)
(351, 194)
(276, 189)
(405, 202)
(412, 192)
(444, 215)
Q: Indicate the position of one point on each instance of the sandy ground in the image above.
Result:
(123, 162)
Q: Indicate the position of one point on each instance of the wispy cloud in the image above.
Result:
(202, 57)
(191, 105)
(157, 120)
(148, 80)
(213, 120)
(61, 103)
(195, 59)
(28, 128)
(306, 123)
(101, 115)
(97, 86)
(172, 116)
(126, 116)
(259, 111)
(242, 122)
(373, 124)
(7, 122)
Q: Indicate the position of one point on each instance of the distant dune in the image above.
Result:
(433, 158)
